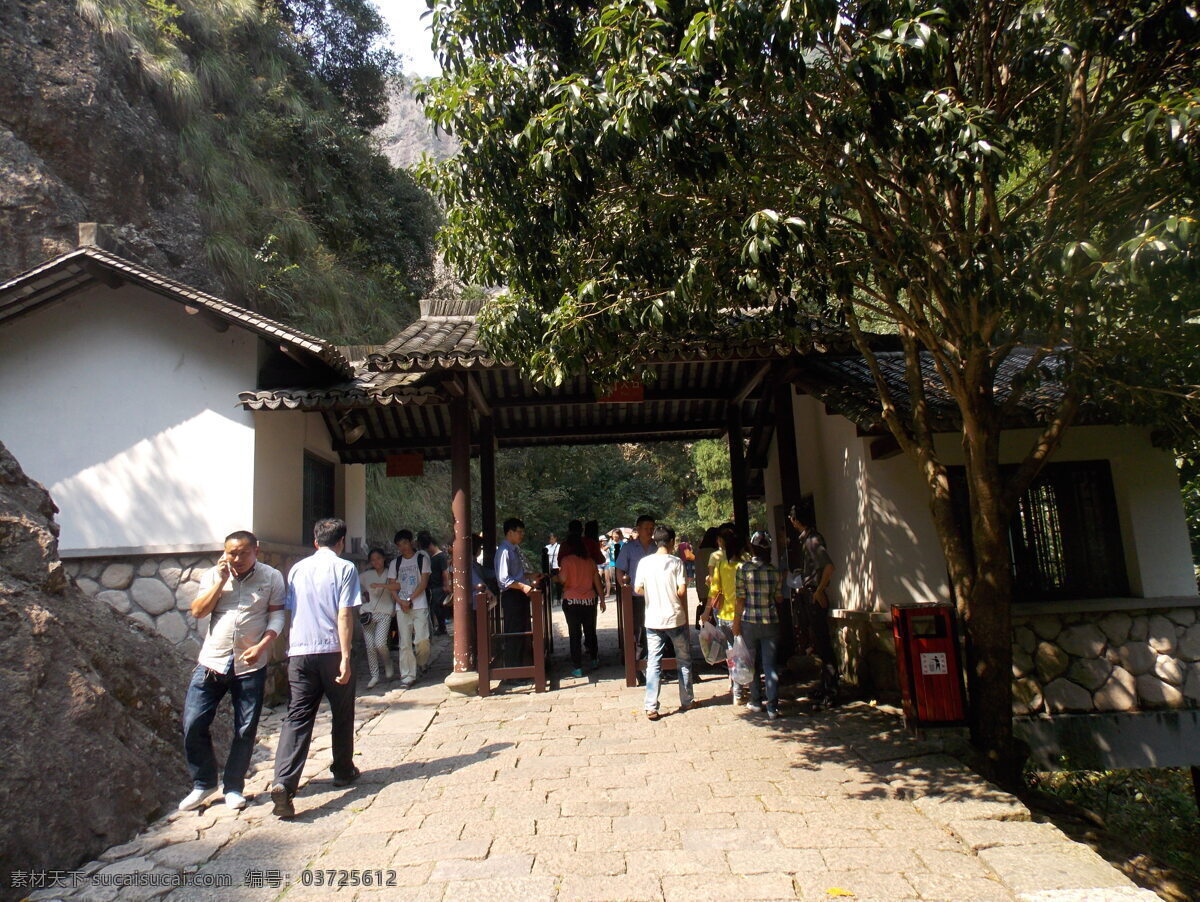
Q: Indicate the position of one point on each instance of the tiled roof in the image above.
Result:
(845, 385)
(364, 390)
(88, 265)
(447, 337)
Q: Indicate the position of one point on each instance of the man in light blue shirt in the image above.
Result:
(631, 554)
(515, 588)
(323, 596)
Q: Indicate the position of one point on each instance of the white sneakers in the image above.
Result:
(196, 798)
(235, 800)
(373, 682)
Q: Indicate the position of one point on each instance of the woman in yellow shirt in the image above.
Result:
(723, 567)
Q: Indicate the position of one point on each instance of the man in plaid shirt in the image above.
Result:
(756, 619)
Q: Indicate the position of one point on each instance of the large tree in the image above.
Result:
(972, 177)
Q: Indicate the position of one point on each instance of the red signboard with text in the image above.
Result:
(405, 464)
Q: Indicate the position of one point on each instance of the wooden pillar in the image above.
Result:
(737, 470)
(487, 486)
(785, 444)
(460, 509)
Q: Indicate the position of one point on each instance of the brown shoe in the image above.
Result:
(652, 715)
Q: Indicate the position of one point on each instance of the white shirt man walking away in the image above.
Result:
(244, 600)
(661, 579)
(323, 595)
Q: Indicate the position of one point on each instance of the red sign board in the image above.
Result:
(406, 465)
(624, 393)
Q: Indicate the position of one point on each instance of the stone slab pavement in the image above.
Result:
(574, 795)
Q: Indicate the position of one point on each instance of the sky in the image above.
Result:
(410, 35)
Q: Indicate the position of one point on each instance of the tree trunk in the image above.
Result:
(986, 605)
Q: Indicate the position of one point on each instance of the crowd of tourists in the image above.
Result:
(741, 593)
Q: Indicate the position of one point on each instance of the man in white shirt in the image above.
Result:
(660, 577)
(323, 596)
(550, 562)
(408, 574)
(244, 601)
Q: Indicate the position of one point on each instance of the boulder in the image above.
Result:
(1169, 670)
(147, 568)
(1182, 616)
(1022, 663)
(1047, 626)
(117, 576)
(1063, 695)
(1191, 685)
(1139, 628)
(1115, 627)
(172, 627)
(1154, 693)
(1189, 644)
(1119, 693)
(1084, 640)
(152, 596)
(1090, 673)
(1027, 696)
(170, 572)
(1138, 657)
(1161, 635)
(1051, 661)
(88, 586)
(85, 694)
(1025, 639)
(115, 599)
(185, 595)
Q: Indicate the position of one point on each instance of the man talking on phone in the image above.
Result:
(244, 599)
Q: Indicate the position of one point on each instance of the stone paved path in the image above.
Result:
(574, 795)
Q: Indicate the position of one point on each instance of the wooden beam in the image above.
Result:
(752, 383)
(884, 448)
(487, 485)
(787, 454)
(476, 395)
(737, 471)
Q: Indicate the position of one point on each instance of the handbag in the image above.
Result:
(366, 618)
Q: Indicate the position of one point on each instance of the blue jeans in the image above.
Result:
(204, 693)
(763, 641)
(657, 640)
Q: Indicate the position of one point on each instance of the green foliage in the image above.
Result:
(547, 488)
(342, 40)
(1155, 805)
(970, 176)
(305, 218)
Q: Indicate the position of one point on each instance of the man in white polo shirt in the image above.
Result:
(323, 594)
(244, 600)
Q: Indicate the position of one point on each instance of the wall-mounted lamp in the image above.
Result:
(351, 433)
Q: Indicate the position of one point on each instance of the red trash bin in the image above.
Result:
(930, 673)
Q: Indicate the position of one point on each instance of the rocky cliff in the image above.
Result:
(81, 141)
(90, 707)
(408, 135)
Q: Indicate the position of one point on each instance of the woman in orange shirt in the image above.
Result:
(582, 589)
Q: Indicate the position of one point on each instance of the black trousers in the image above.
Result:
(437, 609)
(581, 627)
(309, 678)
(516, 618)
(639, 627)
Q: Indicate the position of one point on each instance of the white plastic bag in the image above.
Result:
(712, 642)
(741, 662)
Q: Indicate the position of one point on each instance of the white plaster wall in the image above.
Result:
(1158, 556)
(875, 514)
(279, 475)
(284, 436)
(354, 501)
(123, 406)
